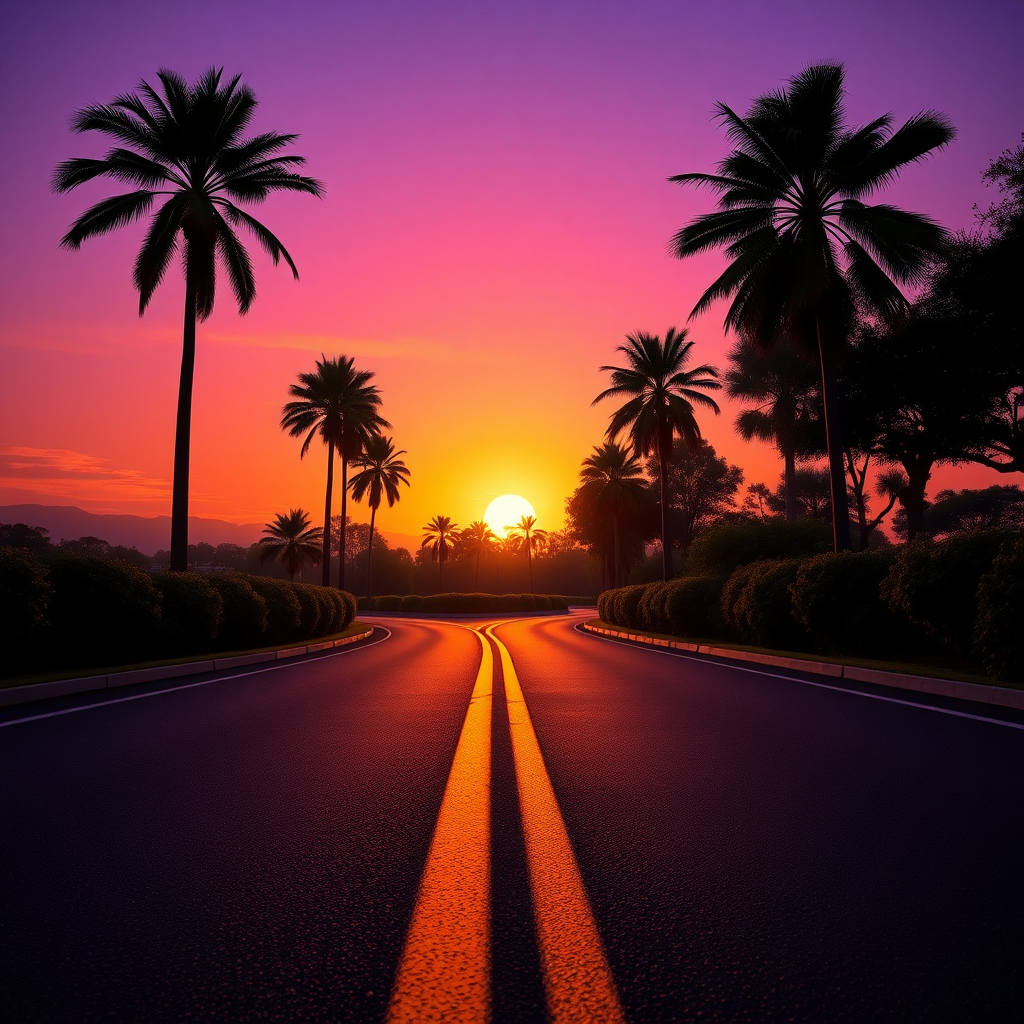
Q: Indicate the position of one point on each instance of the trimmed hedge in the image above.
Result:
(757, 605)
(485, 604)
(245, 611)
(191, 610)
(724, 548)
(998, 636)
(284, 613)
(693, 606)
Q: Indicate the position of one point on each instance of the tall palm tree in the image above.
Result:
(661, 393)
(617, 479)
(781, 383)
(441, 536)
(380, 472)
(478, 539)
(291, 539)
(186, 142)
(526, 535)
(805, 247)
(338, 403)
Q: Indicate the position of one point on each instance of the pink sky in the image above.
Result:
(496, 220)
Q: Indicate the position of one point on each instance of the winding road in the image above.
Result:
(472, 821)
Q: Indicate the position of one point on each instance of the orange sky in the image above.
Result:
(496, 221)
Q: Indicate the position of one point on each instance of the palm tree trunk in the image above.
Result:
(617, 578)
(476, 581)
(666, 543)
(326, 574)
(529, 561)
(792, 511)
(834, 439)
(344, 517)
(183, 430)
(369, 555)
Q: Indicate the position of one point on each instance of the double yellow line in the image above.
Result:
(444, 974)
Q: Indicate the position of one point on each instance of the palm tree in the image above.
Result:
(478, 538)
(440, 535)
(185, 142)
(616, 477)
(526, 535)
(781, 383)
(291, 539)
(805, 247)
(661, 396)
(338, 403)
(380, 472)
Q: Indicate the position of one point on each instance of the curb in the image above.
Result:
(66, 687)
(978, 692)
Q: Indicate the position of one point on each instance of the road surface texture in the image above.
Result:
(521, 823)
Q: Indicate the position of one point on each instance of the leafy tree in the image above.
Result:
(477, 539)
(292, 541)
(338, 403)
(660, 394)
(85, 546)
(805, 248)
(440, 536)
(525, 535)
(960, 511)
(34, 539)
(186, 142)
(381, 471)
(615, 477)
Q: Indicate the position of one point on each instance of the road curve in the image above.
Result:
(669, 839)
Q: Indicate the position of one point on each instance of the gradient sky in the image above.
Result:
(496, 220)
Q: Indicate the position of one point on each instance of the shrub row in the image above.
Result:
(963, 597)
(83, 611)
(483, 603)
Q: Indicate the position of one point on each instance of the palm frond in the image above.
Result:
(107, 215)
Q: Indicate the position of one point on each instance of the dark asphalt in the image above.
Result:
(754, 849)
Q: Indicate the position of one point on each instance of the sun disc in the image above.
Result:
(506, 511)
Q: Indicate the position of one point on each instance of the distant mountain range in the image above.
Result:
(68, 522)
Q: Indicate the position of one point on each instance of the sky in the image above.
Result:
(496, 221)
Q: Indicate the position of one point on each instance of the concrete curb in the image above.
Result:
(979, 692)
(15, 695)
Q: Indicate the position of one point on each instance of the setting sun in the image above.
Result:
(506, 511)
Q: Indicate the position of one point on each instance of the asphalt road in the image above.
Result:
(688, 840)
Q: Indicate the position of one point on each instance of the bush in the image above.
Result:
(192, 612)
(284, 613)
(330, 611)
(626, 605)
(346, 605)
(103, 612)
(936, 584)
(757, 606)
(724, 548)
(837, 598)
(245, 611)
(650, 611)
(998, 636)
(309, 610)
(24, 598)
(603, 603)
(693, 606)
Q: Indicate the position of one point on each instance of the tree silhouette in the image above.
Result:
(380, 473)
(338, 403)
(291, 539)
(185, 142)
(661, 393)
(526, 535)
(478, 539)
(441, 536)
(805, 248)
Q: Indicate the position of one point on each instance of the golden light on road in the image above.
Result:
(506, 511)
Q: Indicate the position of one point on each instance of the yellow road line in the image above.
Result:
(444, 974)
(577, 979)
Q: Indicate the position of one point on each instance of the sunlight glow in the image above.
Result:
(506, 511)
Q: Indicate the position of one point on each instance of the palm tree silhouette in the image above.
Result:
(780, 382)
(526, 535)
(616, 478)
(380, 472)
(338, 403)
(478, 539)
(661, 394)
(440, 535)
(291, 539)
(805, 247)
(185, 142)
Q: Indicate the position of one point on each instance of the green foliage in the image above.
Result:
(730, 545)
(693, 606)
(626, 606)
(103, 612)
(757, 607)
(245, 611)
(650, 612)
(998, 636)
(24, 599)
(935, 584)
(330, 611)
(284, 613)
(346, 605)
(191, 613)
(309, 610)
(836, 597)
(34, 539)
